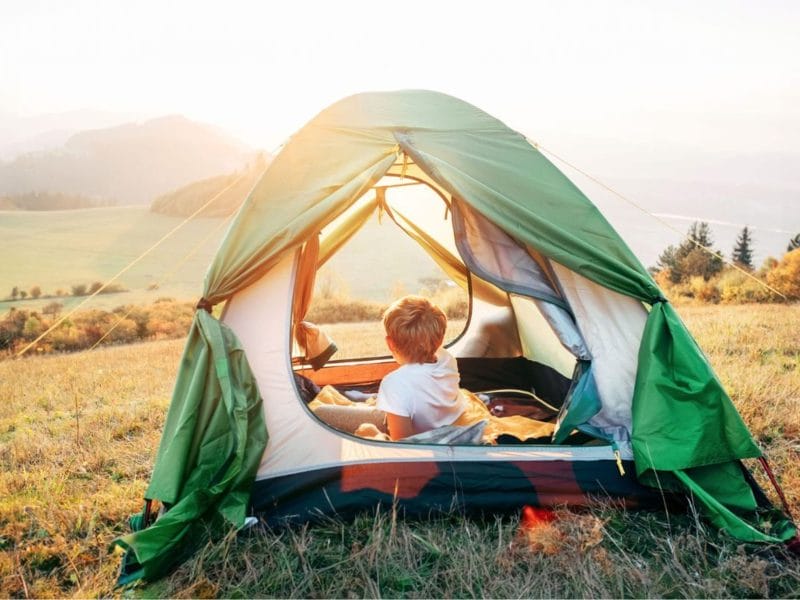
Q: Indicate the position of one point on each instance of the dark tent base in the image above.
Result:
(425, 488)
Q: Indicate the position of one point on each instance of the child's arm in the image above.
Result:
(399, 427)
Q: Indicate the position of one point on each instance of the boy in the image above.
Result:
(423, 393)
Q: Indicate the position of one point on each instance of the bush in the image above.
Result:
(703, 289)
(735, 288)
(164, 319)
(338, 309)
(785, 275)
(33, 327)
(169, 319)
(53, 309)
(453, 301)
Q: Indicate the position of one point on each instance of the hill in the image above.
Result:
(34, 133)
(130, 164)
(187, 199)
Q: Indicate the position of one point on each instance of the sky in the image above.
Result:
(675, 90)
(723, 74)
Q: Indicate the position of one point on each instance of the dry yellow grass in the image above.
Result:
(77, 438)
(360, 340)
(755, 351)
(78, 434)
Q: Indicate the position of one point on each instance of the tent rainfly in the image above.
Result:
(641, 412)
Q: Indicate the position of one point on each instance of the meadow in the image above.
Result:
(56, 250)
(79, 432)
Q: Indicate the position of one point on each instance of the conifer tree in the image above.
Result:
(742, 250)
(692, 256)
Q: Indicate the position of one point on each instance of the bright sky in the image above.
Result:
(721, 75)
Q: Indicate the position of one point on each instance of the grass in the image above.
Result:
(78, 434)
(361, 340)
(59, 249)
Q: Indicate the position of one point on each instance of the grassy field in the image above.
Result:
(59, 249)
(78, 434)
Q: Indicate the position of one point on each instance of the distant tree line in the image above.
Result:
(694, 269)
(164, 319)
(51, 201)
(81, 289)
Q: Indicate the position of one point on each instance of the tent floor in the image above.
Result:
(426, 488)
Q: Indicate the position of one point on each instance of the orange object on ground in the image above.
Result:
(533, 516)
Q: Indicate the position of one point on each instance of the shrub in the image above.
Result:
(703, 289)
(344, 310)
(169, 319)
(165, 319)
(785, 276)
(33, 327)
(114, 288)
(736, 287)
(53, 309)
(452, 300)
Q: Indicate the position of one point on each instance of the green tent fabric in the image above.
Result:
(212, 443)
(473, 158)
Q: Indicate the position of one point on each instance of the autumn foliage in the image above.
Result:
(694, 271)
(164, 319)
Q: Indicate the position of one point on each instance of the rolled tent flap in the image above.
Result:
(210, 449)
(682, 417)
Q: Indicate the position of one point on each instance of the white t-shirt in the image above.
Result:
(428, 393)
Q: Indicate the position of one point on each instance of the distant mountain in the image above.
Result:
(224, 193)
(22, 135)
(129, 164)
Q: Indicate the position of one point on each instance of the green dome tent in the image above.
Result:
(237, 434)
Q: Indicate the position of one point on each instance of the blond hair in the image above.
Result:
(416, 328)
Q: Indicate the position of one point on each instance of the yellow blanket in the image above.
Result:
(522, 428)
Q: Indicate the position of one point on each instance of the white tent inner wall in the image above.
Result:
(612, 326)
(260, 316)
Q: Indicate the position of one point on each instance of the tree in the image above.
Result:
(794, 243)
(35, 292)
(14, 293)
(79, 290)
(53, 309)
(742, 251)
(691, 258)
(668, 261)
(700, 232)
(23, 294)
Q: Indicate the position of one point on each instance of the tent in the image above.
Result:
(238, 439)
